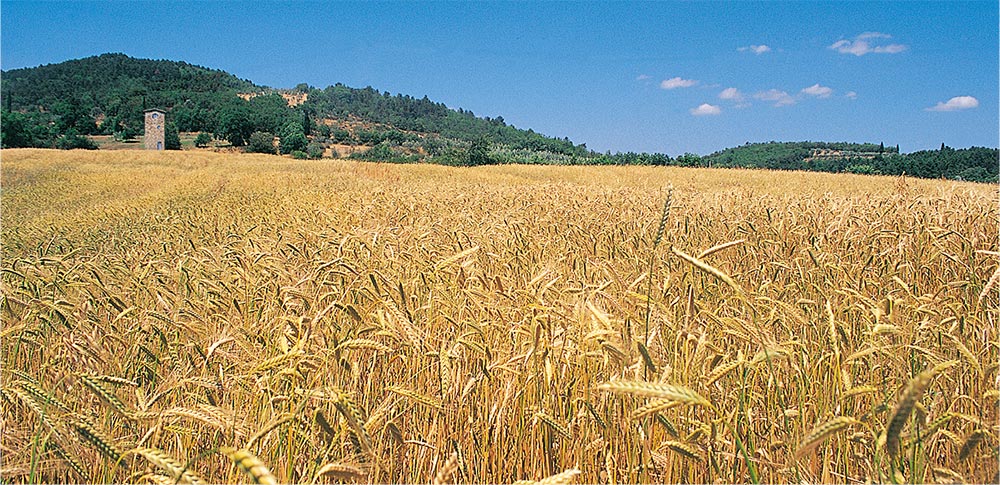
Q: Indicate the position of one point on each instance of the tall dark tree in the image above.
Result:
(234, 124)
(171, 138)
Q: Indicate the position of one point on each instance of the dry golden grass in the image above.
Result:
(189, 317)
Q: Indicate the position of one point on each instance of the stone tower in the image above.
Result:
(155, 138)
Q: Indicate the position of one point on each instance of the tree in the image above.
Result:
(171, 138)
(307, 123)
(14, 130)
(202, 140)
(478, 153)
(296, 142)
(315, 150)
(293, 139)
(234, 124)
(261, 142)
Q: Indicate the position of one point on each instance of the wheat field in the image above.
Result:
(210, 318)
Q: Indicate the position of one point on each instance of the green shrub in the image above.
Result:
(202, 140)
(295, 142)
(315, 150)
(261, 142)
(71, 140)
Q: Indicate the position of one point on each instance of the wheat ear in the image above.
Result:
(707, 268)
(250, 464)
(651, 389)
(446, 472)
(179, 472)
(822, 432)
(911, 394)
(341, 471)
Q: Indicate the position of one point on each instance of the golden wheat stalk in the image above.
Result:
(179, 472)
(115, 380)
(820, 433)
(950, 476)
(721, 370)
(967, 354)
(68, 457)
(280, 361)
(686, 450)
(408, 330)
(568, 476)
(280, 420)
(41, 396)
(363, 344)
(194, 414)
(855, 391)
(444, 263)
(416, 396)
(904, 407)
(989, 286)
(341, 471)
(932, 427)
(250, 464)
(832, 329)
(31, 402)
(707, 268)
(651, 389)
(714, 249)
(355, 420)
(655, 406)
(552, 423)
(158, 479)
(101, 441)
(971, 443)
(446, 471)
(444, 370)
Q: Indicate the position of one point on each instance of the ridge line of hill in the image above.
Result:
(60, 105)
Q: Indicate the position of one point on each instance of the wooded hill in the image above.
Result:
(58, 105)
(107, 94)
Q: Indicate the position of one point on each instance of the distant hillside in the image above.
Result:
(61, 105)
(975, 164)
(792, 155)
(107, 94)
(105, 80)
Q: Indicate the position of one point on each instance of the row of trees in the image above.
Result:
(977, 164)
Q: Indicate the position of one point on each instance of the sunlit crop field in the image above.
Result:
(198, 317)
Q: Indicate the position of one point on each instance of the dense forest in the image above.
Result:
(59, 105)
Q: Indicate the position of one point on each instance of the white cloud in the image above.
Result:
(733, 94)
(677, 82)
(643, 77)
(818, 91)
(730, 93)
(780, 98)
(756, 49)
(851, 95)
(955, 104)
(867, 43)
(706, 109)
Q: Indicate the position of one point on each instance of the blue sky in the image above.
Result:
(668, 77)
